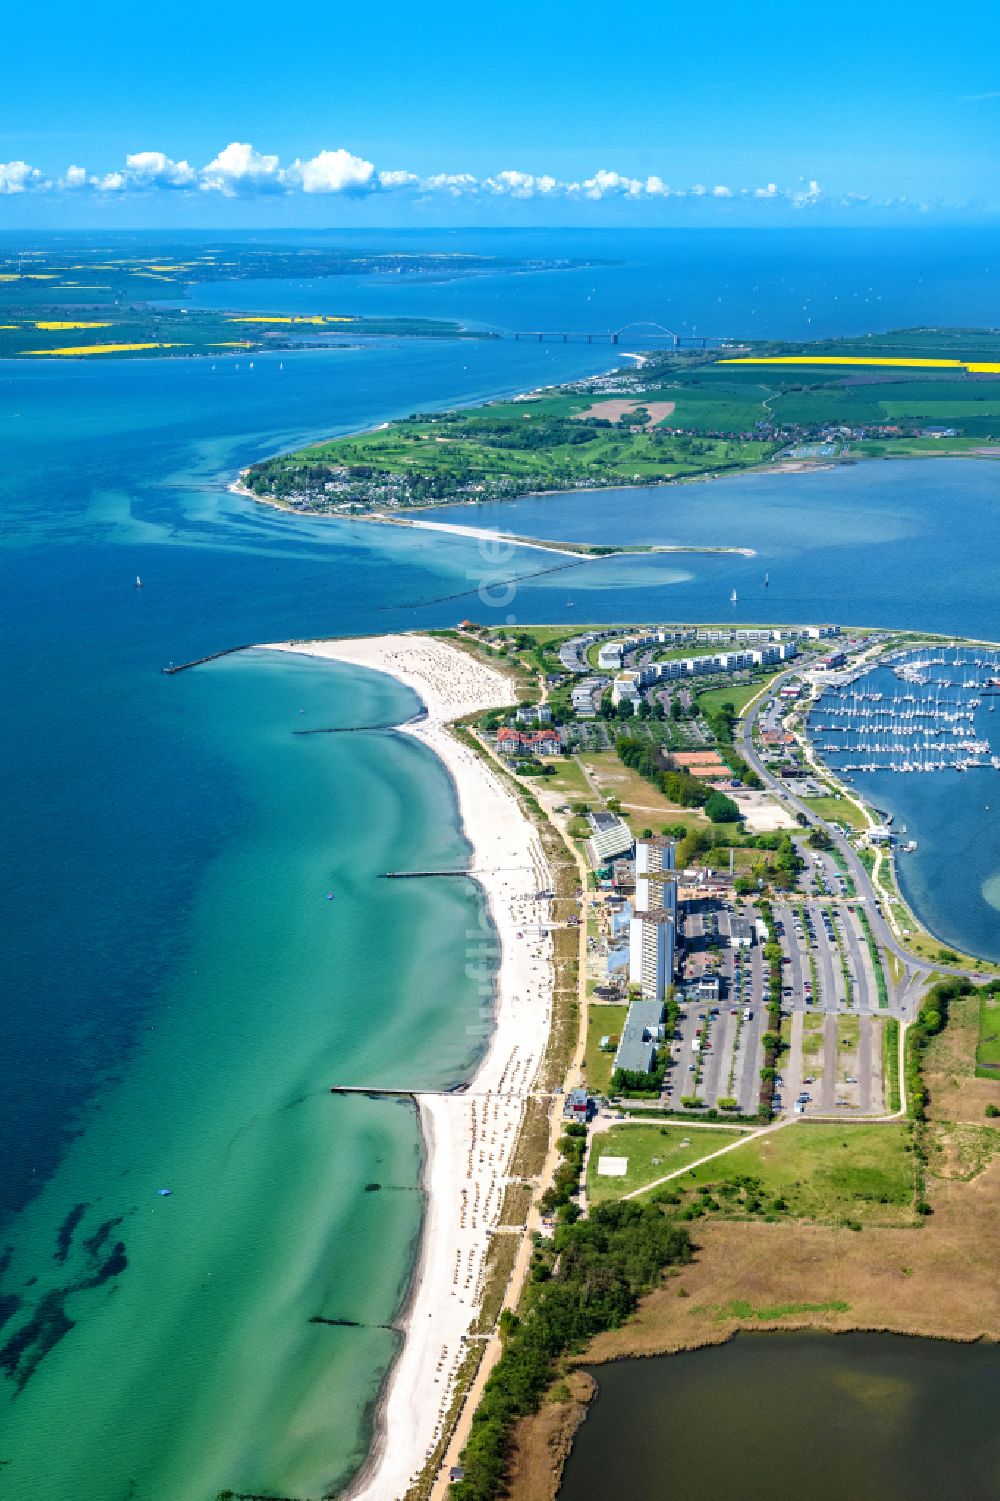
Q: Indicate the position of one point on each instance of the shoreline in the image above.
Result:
(580, 554)
(463, 1187)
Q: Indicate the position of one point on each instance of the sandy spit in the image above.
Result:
(468, 1137)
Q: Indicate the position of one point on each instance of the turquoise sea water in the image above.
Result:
(181, 994)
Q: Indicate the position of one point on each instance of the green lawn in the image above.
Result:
(652, 1152)
(824, 1172)
(837, 810)
(602, 1021)
(739, 695)
(988, 1050)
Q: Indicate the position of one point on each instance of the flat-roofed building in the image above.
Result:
(610, 836)
(741, 933)
(643, 1029)
(587, 697)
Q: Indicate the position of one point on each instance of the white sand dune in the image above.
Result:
(469, 1137)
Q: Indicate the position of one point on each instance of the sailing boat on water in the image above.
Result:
(732, 597)
(138, 582)
(767, 580)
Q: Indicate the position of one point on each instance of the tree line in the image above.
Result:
(588, 1278)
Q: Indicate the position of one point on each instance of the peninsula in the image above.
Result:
(672, 417)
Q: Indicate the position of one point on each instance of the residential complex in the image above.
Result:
(631, 682)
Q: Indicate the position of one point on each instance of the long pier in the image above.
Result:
(377, 1091)
(361, 729)
(418, 875)
(213, 656)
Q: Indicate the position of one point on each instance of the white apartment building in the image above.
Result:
(651, 953)
(631, 684)
(655, 882)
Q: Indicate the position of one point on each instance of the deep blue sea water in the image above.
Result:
(180, 994)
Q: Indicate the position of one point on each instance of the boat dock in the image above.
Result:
(930, 727)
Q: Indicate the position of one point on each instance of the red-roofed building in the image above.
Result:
(538, 743)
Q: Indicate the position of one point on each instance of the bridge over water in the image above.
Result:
(642, 332)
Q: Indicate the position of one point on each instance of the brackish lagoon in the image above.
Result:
(779, 1417)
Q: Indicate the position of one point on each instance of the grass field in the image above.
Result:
(825, 1172)
(568, 779)
(602, 1021)
(737, 694)
(988, 1046)
(958, 1088)
(641, 803)
(837, 810)
(848, 1034)
(652, 1152)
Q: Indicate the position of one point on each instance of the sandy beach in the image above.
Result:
(469, 1137)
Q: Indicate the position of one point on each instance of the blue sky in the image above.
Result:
(584, 113)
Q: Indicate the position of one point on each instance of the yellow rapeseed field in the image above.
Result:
(974, 367)
(52, 324)
(99, 348)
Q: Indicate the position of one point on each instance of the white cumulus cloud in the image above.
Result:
(455, 183)
(332, 172)
(398, 180)
(238, 168)
(521, 184)
(18, 177)
(605, 183)
(154, 169)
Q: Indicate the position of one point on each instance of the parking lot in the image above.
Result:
(718, 1053)
(834, 1060)
(832, 1025)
